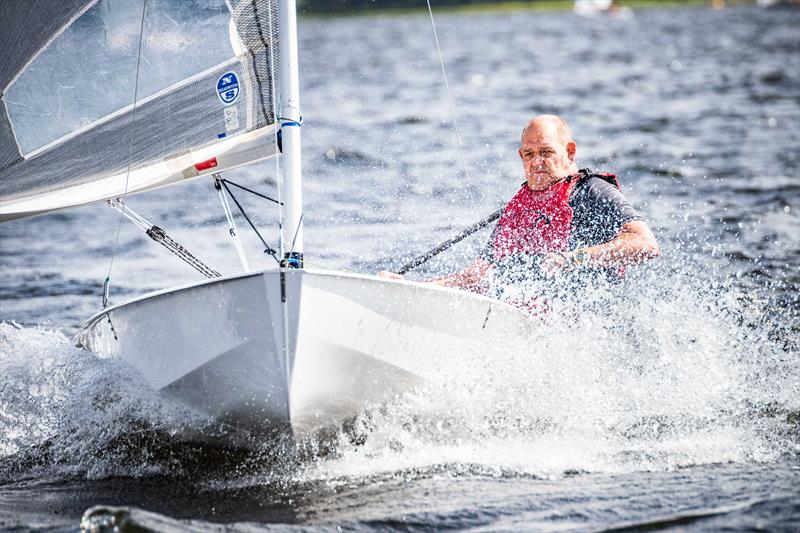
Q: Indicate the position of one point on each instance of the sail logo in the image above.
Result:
(228, 88)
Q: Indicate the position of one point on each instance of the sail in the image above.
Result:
(106, 98)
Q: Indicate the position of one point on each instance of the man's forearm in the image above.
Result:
(635, 244)
(468, 278)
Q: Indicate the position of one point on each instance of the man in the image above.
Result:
(561, 221)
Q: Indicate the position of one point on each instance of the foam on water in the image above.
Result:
(673, 374)
(64, 411)
(664, 371)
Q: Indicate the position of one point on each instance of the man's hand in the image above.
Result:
(554, 265)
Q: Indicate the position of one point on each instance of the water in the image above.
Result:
(671, 401)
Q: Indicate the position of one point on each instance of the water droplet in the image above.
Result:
(331, 154)
(786, 209)
(478, 80)
(772, 122)
(675, 66)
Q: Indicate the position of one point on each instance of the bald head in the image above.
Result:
(550, 124)
(547, 151)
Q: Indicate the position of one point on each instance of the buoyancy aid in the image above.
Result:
(540, 222)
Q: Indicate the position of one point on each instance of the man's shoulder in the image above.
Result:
(598, 186)
(599, 194)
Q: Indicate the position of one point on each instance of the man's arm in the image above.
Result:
(635, 244)
(467, 279)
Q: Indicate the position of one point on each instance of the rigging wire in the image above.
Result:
(237, 242)
(452, 107)
(267, 248)
(107, 282)
(296, 231)
(251, 191)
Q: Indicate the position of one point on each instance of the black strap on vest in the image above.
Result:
(585, 174)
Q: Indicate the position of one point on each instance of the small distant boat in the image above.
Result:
(283, 350)
(775, 3)
(591, 8)
(588, 8)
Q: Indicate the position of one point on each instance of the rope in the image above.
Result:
(107, 282)
(160, 236)
(424, 258)
(450, 103)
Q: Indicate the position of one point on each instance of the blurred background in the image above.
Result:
(583, 6)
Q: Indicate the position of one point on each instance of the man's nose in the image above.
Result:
(536, 160)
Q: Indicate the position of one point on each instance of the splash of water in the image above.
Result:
(663, 371)
(64, 412)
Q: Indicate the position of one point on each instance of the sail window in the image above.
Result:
(89, 72)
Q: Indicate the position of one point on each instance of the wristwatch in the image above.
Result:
(580, 257)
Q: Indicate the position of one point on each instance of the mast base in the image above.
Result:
(292, 260)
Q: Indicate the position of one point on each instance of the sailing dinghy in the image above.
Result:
(104, 99)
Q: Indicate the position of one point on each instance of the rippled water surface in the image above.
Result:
(670, 401)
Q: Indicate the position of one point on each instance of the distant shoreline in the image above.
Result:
(510, 5)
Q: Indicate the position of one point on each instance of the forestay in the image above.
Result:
(105, 98)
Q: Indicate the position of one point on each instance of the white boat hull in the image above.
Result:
(299, 350)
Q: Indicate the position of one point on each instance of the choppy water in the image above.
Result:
(672, 401)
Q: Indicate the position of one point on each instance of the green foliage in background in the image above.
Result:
(372, 6)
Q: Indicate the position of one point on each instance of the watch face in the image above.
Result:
(581, 257)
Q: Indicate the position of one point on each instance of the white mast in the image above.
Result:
(289, 118)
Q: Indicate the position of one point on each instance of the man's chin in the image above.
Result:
(539, 181)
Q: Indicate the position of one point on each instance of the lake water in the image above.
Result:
(676, 405)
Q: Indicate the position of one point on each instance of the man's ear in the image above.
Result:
(519, 151)
(571, 148)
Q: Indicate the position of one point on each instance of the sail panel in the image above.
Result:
(231, 153)
(9, 152)
(104, 80)
(28, 25)
(204, 78)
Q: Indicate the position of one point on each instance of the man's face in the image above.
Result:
(546, 157)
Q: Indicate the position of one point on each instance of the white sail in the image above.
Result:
(112, 97)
